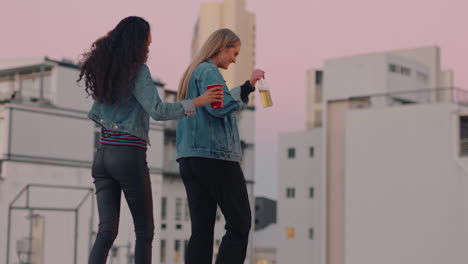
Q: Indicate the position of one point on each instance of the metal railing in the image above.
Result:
(422, 96)
(26, 200)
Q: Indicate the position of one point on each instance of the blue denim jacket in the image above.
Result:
(211, 133)
(132, 116)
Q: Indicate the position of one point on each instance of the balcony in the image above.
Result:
(26, 85)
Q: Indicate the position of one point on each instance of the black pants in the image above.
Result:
(116, 169)
(211, 182)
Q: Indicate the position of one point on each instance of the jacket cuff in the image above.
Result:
(246, 89)
(188, 106)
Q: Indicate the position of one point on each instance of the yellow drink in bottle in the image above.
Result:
(265, 95)
(266, 98)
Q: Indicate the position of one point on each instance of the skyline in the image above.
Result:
(292, 37)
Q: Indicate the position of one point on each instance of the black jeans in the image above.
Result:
(116, 169)
(208, 183)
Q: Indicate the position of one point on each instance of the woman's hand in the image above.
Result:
(210, 96)
(256, 75)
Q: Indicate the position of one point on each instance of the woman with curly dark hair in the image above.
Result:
(125, 96)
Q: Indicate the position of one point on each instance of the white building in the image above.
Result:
(424, 113)
(393, 179)
(314, 111)
(396, 184)
(47, 141)
(300, 227)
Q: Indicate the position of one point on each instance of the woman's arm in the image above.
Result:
(233, 100)
(146, 93)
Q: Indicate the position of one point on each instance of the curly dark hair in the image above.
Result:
(111, 65)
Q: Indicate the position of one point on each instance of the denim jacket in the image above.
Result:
(132, 116)
(211, 133)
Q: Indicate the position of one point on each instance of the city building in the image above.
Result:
(314, 98)
(47, 144)
(300, 199)
(392, 164)
(390, 186)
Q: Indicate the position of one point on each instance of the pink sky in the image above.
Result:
(292, 36)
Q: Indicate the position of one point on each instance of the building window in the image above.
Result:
(216, 248)
(163, 208)
(318, 77)
(463, 135)
(163, 251)
(405, 71)
(311, 233)
(218, 215)
(217, 243)
(311, 192)
(178, 226)
(163, 226)
(290, 192)
(178, 211)
(187, 211)
(311, 152)
(177, 251)
(290, 233)
(399, 69)
(291, 153)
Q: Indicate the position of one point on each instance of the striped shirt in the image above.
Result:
(120, 138)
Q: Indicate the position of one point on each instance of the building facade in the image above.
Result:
(300, 198)
(47, 145)
(393, 163)
(377, 80)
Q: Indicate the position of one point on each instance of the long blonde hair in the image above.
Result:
(218, 40)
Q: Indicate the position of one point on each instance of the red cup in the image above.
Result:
(216, 105)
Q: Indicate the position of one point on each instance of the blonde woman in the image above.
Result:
(209, 154)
